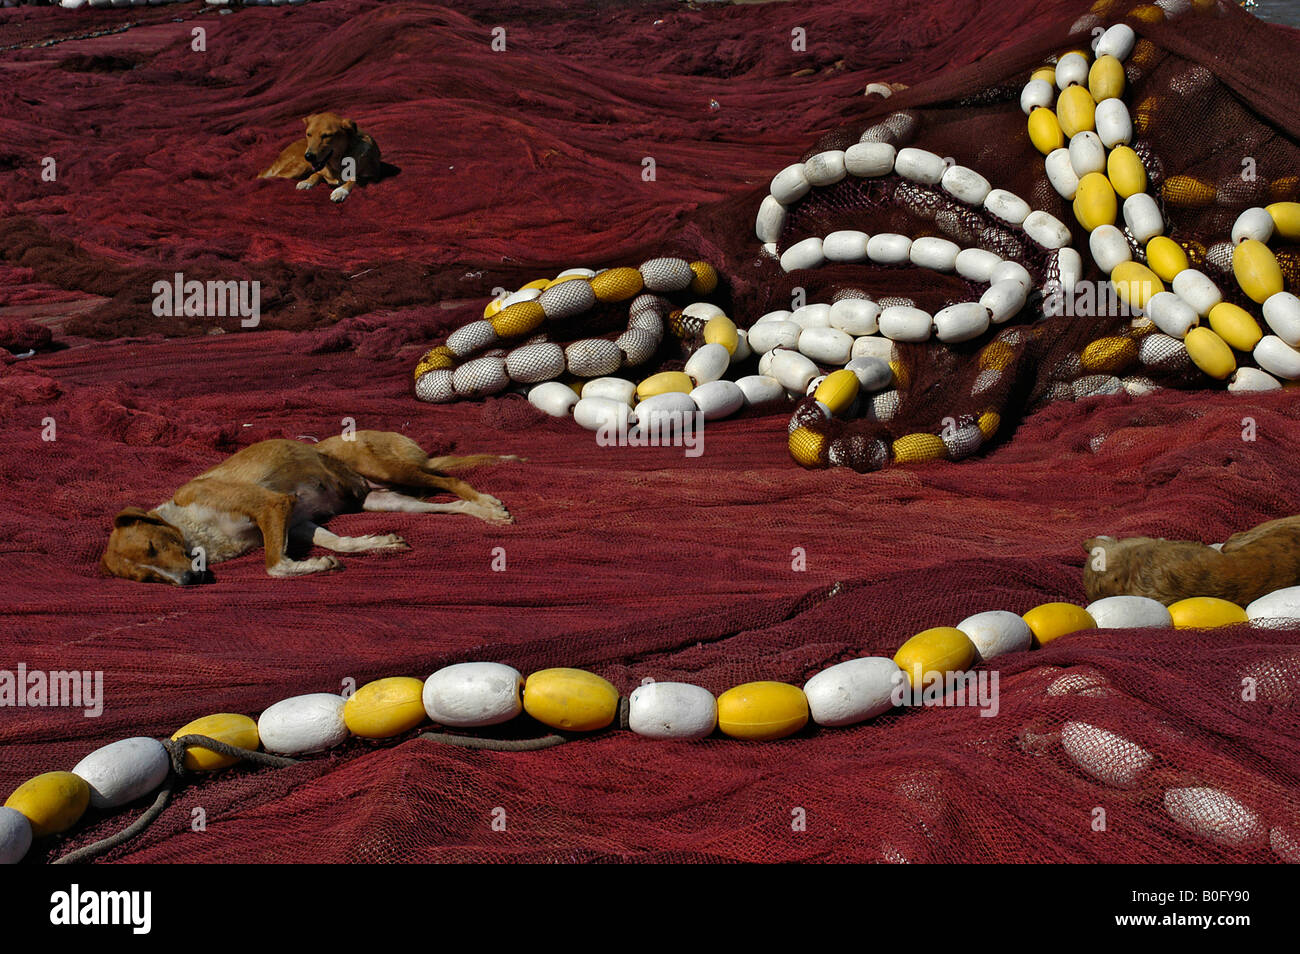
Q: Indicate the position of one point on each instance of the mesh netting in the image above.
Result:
(632, 563)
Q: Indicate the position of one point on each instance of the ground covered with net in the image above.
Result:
(731, 566)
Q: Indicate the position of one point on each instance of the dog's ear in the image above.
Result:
(350, 125)
(306, 120)
(1093, 543)
(135, 515)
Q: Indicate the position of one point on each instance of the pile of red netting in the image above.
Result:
(732, 566)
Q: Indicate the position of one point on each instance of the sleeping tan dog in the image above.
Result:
(281, 491)
(1243, 569)
(334, 151)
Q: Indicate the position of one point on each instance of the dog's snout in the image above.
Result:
(193, 577)
(309, 156)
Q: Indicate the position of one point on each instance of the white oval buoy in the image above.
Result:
(1214, 815)
(997, 632)
(466, 695)
(672, 710)
(760, 389)
(961, 322)
(15, 836)
(1130, 612)
(718, 399)
(1274, 609)
(123, 771)
(826, 345)
(553, 398)
(774, 334)
(852, 691)
(846, 246)
(805, 254)
(855, 316)
(904, 323)
(303, 724)
(1109, 758)
(594, 414)
(708, 363)
(615, 389)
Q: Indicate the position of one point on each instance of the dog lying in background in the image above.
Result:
(280, 492)
(334, 151)
(1241, 570)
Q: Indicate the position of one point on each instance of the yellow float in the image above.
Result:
(762, 711)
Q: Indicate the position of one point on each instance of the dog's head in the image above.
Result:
(1106, 571)
(145, 547)
(329, 137)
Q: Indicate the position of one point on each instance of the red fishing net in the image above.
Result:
(633, 563)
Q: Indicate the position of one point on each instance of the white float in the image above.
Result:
(997, 632)
(1109, 758)
(852, 691)
(467, 695)
(672, 710)
(1214, 815)
(123, 771)
(1129, 612)
(303, 724)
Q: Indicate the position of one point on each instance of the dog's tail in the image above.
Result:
(435, 465)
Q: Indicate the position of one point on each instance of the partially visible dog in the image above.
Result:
(334, 151)
(1241, 570)
(280, 492)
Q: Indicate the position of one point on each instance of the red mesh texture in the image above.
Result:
(631, 563)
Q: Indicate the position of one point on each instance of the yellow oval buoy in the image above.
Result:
(1286, 219)
(1127, 175)
(1044, 130)
(1235, 325)
(385, 708)
(838, 390)
(52, 802)
(617, 284)
(1187, 191)
(1106, 78)
(1210, 353)
(1108, 355)
(1095, 203)
(941, 650)
(1256, 269)
(914, 448)
(1205, 612)
(1166, 257)
(807, 446)
(228, 727)
(1135, 283)
(762, 711)
(722, 330)
(570, 699)
(705, 278)
(518, 319)
(1053, 620)
(663, 383)
(1076, 110)
(988, 423)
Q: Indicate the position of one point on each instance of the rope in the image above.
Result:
(176, 750)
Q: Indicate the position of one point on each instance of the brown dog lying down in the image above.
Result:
(1247, 566)
(334, 151)
(280, 491)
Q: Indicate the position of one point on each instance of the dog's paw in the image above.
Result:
(322, 564)
(390, 541)
(498, 514)
(339, 194)
(306, 184)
